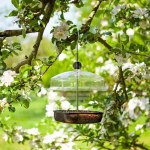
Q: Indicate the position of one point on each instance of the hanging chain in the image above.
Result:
(77, 78)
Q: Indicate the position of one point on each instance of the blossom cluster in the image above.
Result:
(58, 139)
(141, 14)
(56, 101)
(7, 78)
(141, 103)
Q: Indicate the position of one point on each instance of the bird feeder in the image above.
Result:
(77, 85)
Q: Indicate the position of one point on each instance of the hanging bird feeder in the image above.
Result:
(77, 85)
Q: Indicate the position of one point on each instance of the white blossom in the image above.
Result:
(117, 8)
(98, 48)
(33, 131)
(99, 60)
(138, 127)
(144, 24)
(57, 136)
(62, 56)
(132, 104)
(130, 32)
(18, 138)
(108, 67)
(94, 148)
(34, 144)
(25, 94)
(137, 69)
(104, 23)
(43, 91)
(65, 105)
(50, 108)
(67, 146)
(5, 137)
(3, 104)
(52, 96)
(48, 139)
(18, 128)
(127, 65)
(121, 59)
(7, 78)
(61, 32)
(142, 103)
(140, 13)
(93, 3)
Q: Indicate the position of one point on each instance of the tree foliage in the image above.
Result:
(115, 35)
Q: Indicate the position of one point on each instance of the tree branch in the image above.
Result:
(48, 12)
(122, 80)
(109, 47)
(10, 33)
(86, 26)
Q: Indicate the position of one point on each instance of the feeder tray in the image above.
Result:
(77, 116)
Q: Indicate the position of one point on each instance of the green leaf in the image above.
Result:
(11, 109)
(17, 46)
(73, 45)
(25, 103)
(24, 31)
(13, 13)
(27, 1)
(15, 3)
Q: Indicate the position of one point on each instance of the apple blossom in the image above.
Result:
(144, 24)
(61, 32)
(7, 78)
(138, 127)
(117, 8)
(18, 137)
(3, 104)
(33, 131)
(43, 91)
(140, 13)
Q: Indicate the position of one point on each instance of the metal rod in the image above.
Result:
(77, 80)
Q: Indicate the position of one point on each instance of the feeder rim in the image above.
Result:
(78, 111)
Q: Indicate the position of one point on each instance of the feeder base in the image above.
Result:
(77, 116)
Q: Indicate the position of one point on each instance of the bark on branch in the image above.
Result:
(10, 33)
(122, 80)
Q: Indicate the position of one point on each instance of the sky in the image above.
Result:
(5, 8)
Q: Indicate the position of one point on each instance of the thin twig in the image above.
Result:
(51, 64)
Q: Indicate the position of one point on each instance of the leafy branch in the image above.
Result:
(85, 28)
(48, 12)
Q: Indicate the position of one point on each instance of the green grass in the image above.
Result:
(27, 118)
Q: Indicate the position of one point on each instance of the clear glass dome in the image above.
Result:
(88, 82)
